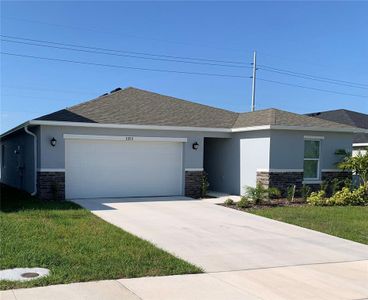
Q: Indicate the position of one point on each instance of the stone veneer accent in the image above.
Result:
(280, 180)
(193, 183)
(329, 175)
(51, 185)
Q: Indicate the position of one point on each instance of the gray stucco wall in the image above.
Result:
(54, 157)
(227, 161)
(17, 169)
(221, 163)
(287, 148)
(232, 163)
(254, 155)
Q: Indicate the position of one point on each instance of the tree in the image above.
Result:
(358, 164)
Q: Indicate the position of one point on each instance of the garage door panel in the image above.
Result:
(100, 168)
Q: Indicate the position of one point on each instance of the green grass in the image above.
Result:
(74, 244)
(348, 222)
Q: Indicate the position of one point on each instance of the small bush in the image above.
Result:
(244, 203)
(317, 198)
(273, 192)
(348, 197)
(324, 186)
(343, 197)
(204, 185)
(305, 191)
(260, 193)
(229, 201)
(335, 185)
(290, 192)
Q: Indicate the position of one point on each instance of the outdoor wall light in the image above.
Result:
(195, 146)
(53, 142)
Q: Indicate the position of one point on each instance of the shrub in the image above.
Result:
(305, 191)
(348, 197)
(335, 185)
(273, 192)
(290, 192)
(343, 197)
(358, 164)
(317, 198)
(324, 186)
(259, 193)
(204, 185)
(244, 203)
(229, 201)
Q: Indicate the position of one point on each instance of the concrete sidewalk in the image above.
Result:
(319, 281)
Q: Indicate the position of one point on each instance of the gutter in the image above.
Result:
(34, 159)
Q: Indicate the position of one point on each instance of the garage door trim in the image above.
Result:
(124, 138)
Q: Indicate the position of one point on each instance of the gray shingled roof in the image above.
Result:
(135, 106)
(139, 107)
(344, 116)
(283, 118)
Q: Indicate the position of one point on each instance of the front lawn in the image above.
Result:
(348, 222)
(74, 244)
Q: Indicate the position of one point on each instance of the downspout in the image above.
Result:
(34, 159)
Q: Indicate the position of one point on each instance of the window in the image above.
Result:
(311, 159)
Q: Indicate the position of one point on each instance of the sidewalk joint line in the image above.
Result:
(289, 266)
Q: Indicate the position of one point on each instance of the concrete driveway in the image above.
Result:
(246, 257)
(220, 239)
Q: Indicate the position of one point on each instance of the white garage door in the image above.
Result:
(120, 168)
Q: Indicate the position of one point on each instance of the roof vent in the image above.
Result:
(115, 90)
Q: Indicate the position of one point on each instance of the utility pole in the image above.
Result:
(254, 81)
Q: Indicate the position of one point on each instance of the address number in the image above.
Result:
(129, 138)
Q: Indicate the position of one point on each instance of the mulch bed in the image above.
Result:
(282, 202)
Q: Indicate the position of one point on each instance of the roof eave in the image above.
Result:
(6, 133)
(190, 128)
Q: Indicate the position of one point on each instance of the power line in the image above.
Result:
(122, 67)
(314, 79)
(235, 64)
(292, 73)
(174, 71)
(311, 88)
(126, 51)
(125, 55)
(123, 34)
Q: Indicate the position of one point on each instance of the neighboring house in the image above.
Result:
(352, 118)
(137, 143)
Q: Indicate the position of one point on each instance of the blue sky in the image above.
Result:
(325, 39)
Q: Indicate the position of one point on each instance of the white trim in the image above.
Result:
(123, 138)
(332, 170)
(310, 128)
(194, 169)
(128, 126)
(34, 159)
(182, 128)
(280, 170)
(311, 181)
(360, 144)
(189, 128)
(311, 137)
(318, 178)
(50, 170)
(251, 128)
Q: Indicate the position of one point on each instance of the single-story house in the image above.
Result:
(133, 142)
(352, 118)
